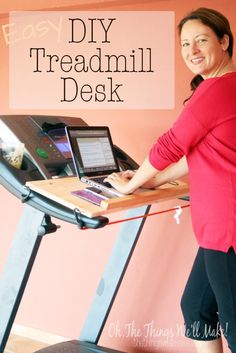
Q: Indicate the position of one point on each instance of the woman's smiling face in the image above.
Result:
(203, 52)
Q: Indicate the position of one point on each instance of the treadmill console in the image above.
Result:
(44, 139)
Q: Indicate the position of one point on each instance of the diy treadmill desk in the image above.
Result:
(29, 234)
(59, 190)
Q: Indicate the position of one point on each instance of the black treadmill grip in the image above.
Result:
(84, 221)
(14, 180)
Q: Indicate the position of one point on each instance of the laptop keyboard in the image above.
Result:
(100, 180)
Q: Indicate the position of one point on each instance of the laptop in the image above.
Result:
(93, 155)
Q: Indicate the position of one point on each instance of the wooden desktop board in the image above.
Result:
(60, 189)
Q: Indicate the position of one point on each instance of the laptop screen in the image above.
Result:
(92, 150)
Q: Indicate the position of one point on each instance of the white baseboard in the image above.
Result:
(37, 335)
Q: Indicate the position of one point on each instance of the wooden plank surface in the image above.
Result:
(59, 190)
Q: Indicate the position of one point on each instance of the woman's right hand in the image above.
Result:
(128, 174)
(150, 184)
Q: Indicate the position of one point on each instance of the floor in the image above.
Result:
(20, 344)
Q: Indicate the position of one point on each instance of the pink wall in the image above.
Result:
(70, 262)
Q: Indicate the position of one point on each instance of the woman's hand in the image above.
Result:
(147, 176)
(128, 174)
(121, 180)
(127, 182)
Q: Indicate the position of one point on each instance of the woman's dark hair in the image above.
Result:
(213, 19)
(217, 22)
(195, 82)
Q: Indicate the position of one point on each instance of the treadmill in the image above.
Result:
(46, 156)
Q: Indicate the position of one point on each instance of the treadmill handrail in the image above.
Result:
(14, 179)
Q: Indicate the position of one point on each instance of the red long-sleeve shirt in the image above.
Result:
(206, 133)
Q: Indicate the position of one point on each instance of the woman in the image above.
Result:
(202, 142)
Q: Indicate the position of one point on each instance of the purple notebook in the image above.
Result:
(93, 195)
